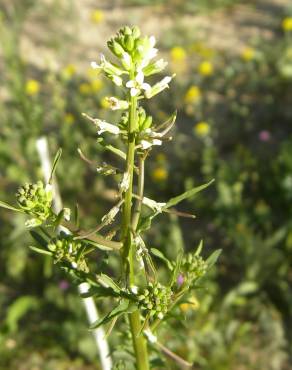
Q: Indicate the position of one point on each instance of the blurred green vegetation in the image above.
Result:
(234, 124)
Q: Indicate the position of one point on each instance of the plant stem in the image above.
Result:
(138, 206)
(139, 342)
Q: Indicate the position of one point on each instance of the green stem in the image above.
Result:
(139, 342)
(138, 205)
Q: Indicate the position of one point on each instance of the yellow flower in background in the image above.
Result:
(192, 95)
(202, 129)
(178, 54)
(206, 68)
(202, 50)
(92, 73)
(287, 24)
(69, 118)
(85, 88)
(97, 16)
(32, 87)
(248, 54)
(69, 71)
(159, 174)
(96, 85)
(192, 304)
(161, 157)
(105, 103)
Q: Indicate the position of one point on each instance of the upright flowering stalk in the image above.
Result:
(137, 292)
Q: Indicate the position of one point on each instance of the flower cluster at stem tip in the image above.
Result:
(136, 61)
(135, 54)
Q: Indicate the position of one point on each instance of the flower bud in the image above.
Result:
(129, 42)
(115, 48)
(136, 33)
(155, 67)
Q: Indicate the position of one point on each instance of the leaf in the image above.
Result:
(112, 149)
(107, 281)
(145, 222)
(100, 291)
(40, 250)
(39, 238)
(211, 260)
(18, 309)
(76, 215)
(97, 245)
(160, 255)
(188, 194)
(124, 307)
(59, 218)
(8, 206)
(199, 249)
(176, 268)
(55, 163)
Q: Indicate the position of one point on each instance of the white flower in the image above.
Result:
(146, 144)
(154, 67)
(94, 65)
(108, 67)
(137, 84)
(158, 87)
(126, 61)
(117, 80)
(104, 126)
(110, 216)
(155, 206)
(116, 104)
(67, 214)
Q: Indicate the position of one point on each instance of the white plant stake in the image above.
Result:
(89, 304)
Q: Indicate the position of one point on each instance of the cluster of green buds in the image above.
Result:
(65, 249)
(155, 299)
(35, 200)
(192, 268)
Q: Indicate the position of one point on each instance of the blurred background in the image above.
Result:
(233, 65)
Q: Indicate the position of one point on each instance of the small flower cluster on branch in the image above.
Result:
(65, 249)
(155, 300)
(35, 200)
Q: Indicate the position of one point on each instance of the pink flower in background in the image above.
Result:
(63, 285)
(180, 280)
(264, 135)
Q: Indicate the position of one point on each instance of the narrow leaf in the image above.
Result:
(108, 282)
(112, 149)
(211, 260)
(124, 307)
(100, 291)
(8, 206)
(55, 163)
(176, 268)
(39, 250)
(160, 255)
(188, 194)
(76, 215)
(199, 249)
(39, 238)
